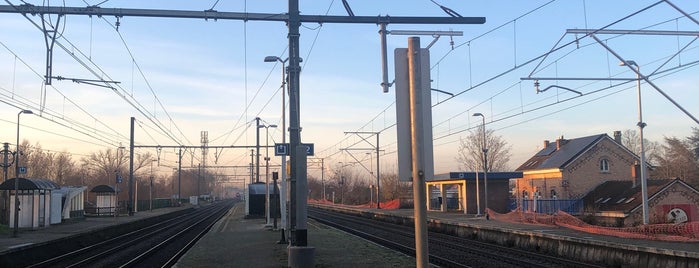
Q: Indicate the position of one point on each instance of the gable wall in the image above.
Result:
(581, 175)
(584, 174)
(676, 196)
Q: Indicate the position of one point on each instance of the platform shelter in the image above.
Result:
(68, 203)
(458, 191)
(34, 200)
(256, 199)
(105, 200)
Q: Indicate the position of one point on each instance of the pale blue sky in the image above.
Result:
(205, 74)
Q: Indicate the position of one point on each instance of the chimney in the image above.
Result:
(560, 142)
(617, 136)
(546, 144)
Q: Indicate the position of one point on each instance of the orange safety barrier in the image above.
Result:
(392, 204)
(683, 232)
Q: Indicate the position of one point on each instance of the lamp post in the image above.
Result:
(641, 125)
(282, 192)
(267, 168)
(485, 164)
(17, 156)
(371, 186)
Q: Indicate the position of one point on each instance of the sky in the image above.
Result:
(179, 77)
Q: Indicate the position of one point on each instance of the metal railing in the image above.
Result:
(548, 206)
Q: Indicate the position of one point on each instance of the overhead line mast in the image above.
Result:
(221, 15)
(299, 252)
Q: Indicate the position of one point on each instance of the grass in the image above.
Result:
(335, 248)
(4, 229)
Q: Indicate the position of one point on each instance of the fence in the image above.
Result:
(144, 205)
(548, 206)
(683, 232)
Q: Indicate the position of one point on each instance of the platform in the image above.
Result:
(33, 237)
(238, 242)
(553, 239)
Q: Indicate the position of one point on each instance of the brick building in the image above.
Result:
(618, 203)
(570, 168)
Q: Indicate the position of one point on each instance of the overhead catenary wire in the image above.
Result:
(133, 102)
(39, 107)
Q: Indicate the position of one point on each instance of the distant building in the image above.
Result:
(619, 203)
(570, 168)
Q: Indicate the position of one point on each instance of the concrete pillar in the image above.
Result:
(443, 193)
(462, 194)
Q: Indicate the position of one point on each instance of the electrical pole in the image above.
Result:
(198, 182)
(257, 150)
(5, 153)
(179, 176)
(416, 129)
(131, 203)
(378, 160)
(252, 163)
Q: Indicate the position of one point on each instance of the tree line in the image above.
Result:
(103, 167)
(673, 158)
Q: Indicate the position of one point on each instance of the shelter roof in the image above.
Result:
(472, 176)
(259, 188)
(103, 188)
(29, 184)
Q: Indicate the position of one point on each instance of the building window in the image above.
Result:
(604, 166)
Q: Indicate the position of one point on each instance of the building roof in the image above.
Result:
(621, 196)
(29, 184)
(103, 188)
(553, 157)
(491, 175)
(470, 176)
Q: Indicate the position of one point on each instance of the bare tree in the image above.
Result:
(392, 188)
(694, 141)
(678, 160)
(107, 163)
(630, 139)
(37, 161)
(63, 168)
(470, 153)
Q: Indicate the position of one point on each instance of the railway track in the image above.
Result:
(445, 250)
(156, 245)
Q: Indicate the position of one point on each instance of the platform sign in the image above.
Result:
(403, 113)
(283, 149)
